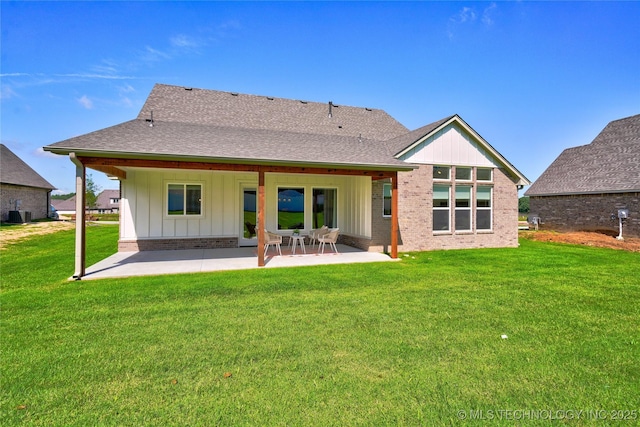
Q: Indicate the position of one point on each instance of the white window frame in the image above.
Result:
(305, 191)
(468, 209)
(448, 178)
(482, 209)
(470, 179)
(440, 209)
(484, 180)
(321, 187)
(384, 197)
(184, 185)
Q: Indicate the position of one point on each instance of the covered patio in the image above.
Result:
(147, 263)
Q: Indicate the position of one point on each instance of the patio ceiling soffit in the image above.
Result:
(112, 166)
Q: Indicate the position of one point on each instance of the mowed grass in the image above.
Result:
(416, 342)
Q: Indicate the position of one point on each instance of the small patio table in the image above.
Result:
(297, 240)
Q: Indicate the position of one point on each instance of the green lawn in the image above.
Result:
(417, 342)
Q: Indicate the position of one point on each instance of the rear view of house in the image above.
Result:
(586, 186)
(24, 194)
(204, 169)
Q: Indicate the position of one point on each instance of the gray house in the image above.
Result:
(586, 186)
(22, 189)
(203, 168)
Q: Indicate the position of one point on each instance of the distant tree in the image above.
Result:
(91, 192)
(62, 196)
(523, 204)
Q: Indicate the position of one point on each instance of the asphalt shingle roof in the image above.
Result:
(13, 170)
(225, 109)
(206, 124)
(610, 163)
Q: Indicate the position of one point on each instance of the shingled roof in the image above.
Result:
(207, 125)
(16, 172)
(189, 124)
(609, 164)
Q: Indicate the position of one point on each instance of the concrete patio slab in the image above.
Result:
(148, 263)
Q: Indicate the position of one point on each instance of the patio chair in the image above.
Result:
(251, 228)
(315, 233)
(272, 239)
(331, 238)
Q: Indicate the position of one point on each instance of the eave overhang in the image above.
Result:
(521, 180)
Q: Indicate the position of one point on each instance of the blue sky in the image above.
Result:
(532, 78)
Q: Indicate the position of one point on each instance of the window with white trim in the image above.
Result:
(484, 174)
(484, 213)
(464, 173)
(463, 208)
(441, 207)
(291, 208)
(324, 207)
(462, 199)
(441, 172)
(386, 200)
(184, 199)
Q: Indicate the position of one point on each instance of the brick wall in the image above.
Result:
(587, 212)
(35, 200)
(175, 244)
(415, 204)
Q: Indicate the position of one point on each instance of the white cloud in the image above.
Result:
(6, 92)
(466, 14)
(152, 55)
(487, 14)
(182, 40)
(85, 102)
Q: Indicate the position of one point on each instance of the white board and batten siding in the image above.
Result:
(144, 202)
(450, 146)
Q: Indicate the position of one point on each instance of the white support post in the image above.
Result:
(80, 217)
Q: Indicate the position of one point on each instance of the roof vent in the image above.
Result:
(304, 102)
(150, 121)
(188, 88)
(330, 109)
(270, 98)
(234, 93)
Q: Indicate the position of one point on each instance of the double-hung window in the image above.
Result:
(184, 199)
(441, 207)
(483, 208)
(463, 208)
(462, 199)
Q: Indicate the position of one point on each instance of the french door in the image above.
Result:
(248, 217)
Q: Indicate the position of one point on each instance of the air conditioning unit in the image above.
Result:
(19, 217)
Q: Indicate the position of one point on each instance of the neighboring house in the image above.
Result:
(199, 167)
(108, 201)
(585, 186)
(65, 207)
(22, 189)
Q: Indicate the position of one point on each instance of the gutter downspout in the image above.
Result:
(80, 218)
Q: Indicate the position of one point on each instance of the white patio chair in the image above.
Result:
(315, 233)
(331, 238)
(272, 239)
